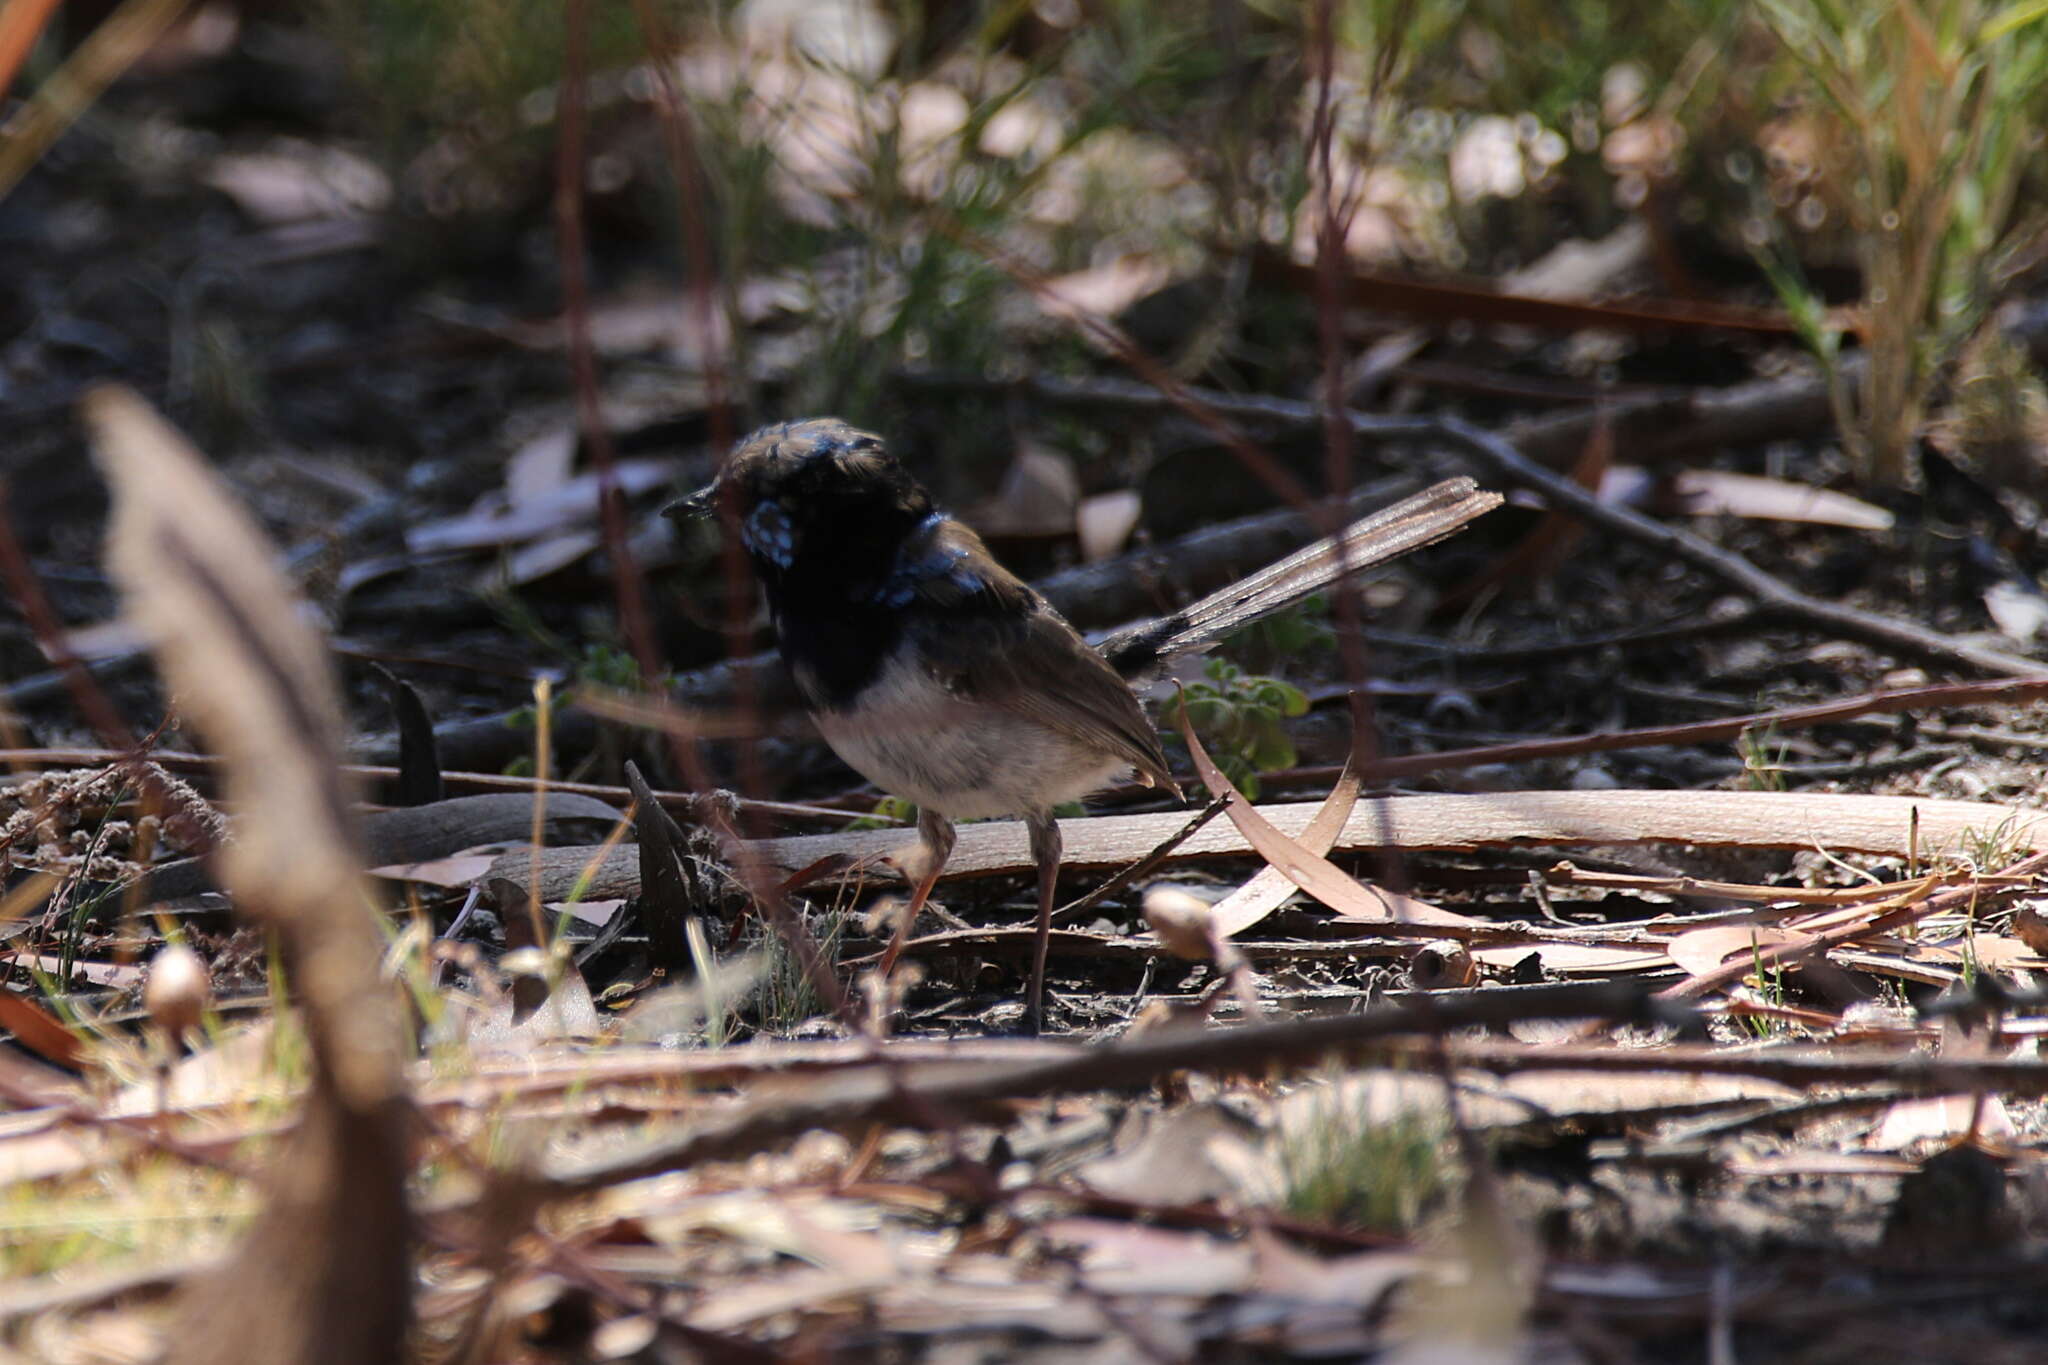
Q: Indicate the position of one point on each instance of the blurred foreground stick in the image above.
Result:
(324, 1275)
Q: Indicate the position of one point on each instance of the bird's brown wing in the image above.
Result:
(992, 640)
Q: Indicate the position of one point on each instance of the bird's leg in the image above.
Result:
(935, 831)
(1045, 851)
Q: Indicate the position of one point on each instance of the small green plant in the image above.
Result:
(890, 813)
(599, 667)
(1346, 1169)
(1771, 985)
(428, 67)
(1762, 770)
(787, 997)
(1933, 102)
(1301, 629)
(1987, 848)
(1238, 716)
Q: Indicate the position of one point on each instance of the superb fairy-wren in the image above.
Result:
(942, 677)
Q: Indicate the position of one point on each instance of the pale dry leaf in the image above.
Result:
(323, 1275)
(456, 870)
(1610, 1095)
(1579, 269)
(537, 559)
(1721, 492)
(496, 520)
(2000, 953)
(1310, 871)
(2017, 608)
(1118, 1257)
(543, 464)
(1358, 1281)
(237, 1070)
(1708, 950)
(1104, 523)
(1938, 1118)
(1037, 496)
(105, 639)
(56, 1150)
(293, 181)
(1266, 891)
(1104, 290)
(1574, 959)
(508, 1024)
(1185, 1155)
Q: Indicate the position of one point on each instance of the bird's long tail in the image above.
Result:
(1409, 524)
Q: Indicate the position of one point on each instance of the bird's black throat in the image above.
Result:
(834, 628)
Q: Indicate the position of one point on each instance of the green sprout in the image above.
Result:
(1238, 716)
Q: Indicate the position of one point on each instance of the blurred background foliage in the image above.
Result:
(890, 183)
(879, 178)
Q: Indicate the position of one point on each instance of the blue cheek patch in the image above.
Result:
(934, 564)
(768, 534)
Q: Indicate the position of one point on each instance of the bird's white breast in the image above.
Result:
(914, 739)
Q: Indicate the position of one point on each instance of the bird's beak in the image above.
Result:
(696, 507)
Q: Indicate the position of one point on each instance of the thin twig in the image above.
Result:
(2008, 881)
(1125, 876)
(1499, 457)
(2005, 691)
(26, 587)
(630, 589)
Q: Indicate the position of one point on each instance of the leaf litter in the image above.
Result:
(1249, 1145)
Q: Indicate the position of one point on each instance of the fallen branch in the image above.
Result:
(1955, 898)
(913, 1093)
(1500, 457)
(1880, 825)
(2003, 691)
(688, 804)
(1912, 1072)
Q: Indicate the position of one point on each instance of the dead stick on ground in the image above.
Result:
(2006, 691)
(2012, 879)
(1499, 456)
(1911, 1072)
(868, 1097)
(871, 1095)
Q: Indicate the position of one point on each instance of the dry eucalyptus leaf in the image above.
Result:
(1104, 523)
(1708, 950)
(199, 579)
(324, 1274)
(2030, 927)
(1037, 496)
(1185, 1155)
